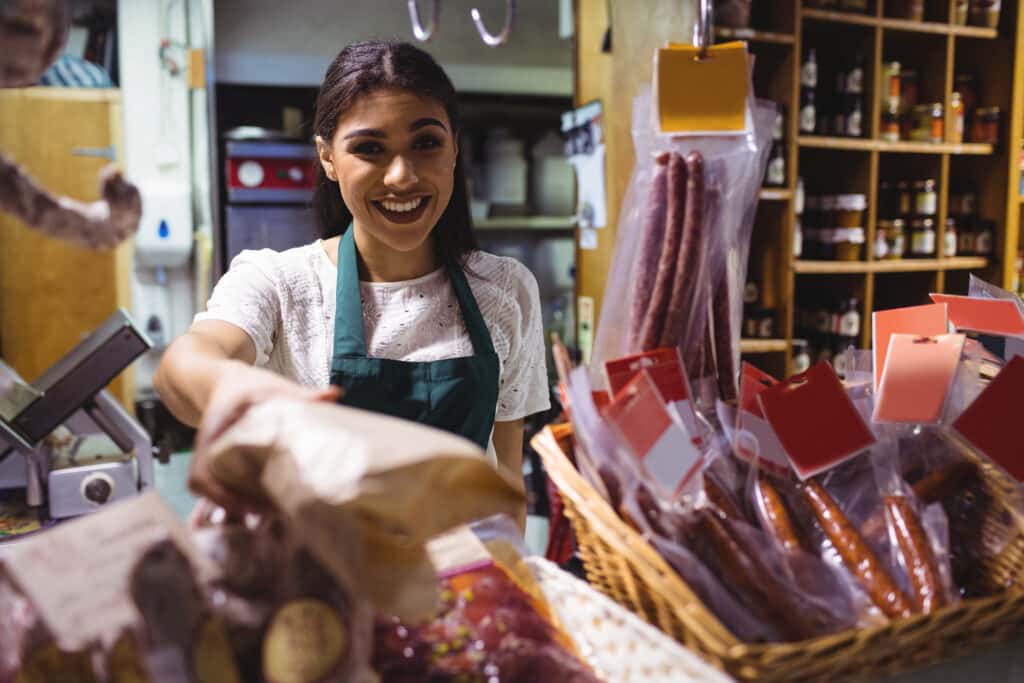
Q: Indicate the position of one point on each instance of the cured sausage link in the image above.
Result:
(859, 559)
(654, 320)
(682, 303)
(651, 242)
(775, 515)
(922, 567)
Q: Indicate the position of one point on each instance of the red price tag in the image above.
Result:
(756, 441)
(917, 377)
(816, 422)
(992, 422)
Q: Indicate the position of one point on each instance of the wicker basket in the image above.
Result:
(621, 564)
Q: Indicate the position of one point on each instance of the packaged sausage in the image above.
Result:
(681, 248)
(493, 621)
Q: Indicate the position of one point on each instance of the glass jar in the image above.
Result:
(960, 12)
(905, 196)
(848, 243)
(927, 123)
(986, 125)
(890, 127)
(926, 198)
(985, 13)
(922, 238)
(892, 232)
(984, 237)
(850, 209)
(956, 111)
(949, 242)
(908, 9)
(965, 237)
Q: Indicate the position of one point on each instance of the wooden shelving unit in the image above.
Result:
(832, 165)
(532, 223)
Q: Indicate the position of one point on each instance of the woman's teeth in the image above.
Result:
(402, 207)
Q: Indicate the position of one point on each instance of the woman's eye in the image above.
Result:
(368, 148)
(427, 142)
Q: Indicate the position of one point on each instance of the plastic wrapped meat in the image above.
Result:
(488, 629)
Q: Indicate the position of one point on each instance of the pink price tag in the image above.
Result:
(917, 377)
(638, 415)
(990, 316)
(925, 321)
(815, 420)
(992, 424)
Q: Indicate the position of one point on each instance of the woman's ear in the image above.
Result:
(323, 151)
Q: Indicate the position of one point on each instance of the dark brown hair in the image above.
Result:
(365, 67)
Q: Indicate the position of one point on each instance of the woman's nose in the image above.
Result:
(401, 173)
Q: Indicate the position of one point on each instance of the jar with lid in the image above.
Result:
(922, 238)
(956, 111)
(960, 12)
(949, 242)
(986, 125)
(848, 243)
(926, 198)
(927, 123)
(854, 119)
(965, 236)
(801, 358)
(985, 13)
(891, 231)
(849, 210)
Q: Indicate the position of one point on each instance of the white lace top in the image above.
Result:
(285, 302)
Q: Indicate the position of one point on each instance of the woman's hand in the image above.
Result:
(237, 388)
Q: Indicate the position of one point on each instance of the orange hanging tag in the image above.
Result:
(917, 376)
(702, 94)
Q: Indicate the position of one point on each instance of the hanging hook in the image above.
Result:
(501, 38)
(703, 31)
(424, 34)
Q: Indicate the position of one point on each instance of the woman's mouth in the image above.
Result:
(405, 211)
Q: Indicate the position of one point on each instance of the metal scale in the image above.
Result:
(64, 439)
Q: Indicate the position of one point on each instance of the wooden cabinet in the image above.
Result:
(936, 47)
(52, 293)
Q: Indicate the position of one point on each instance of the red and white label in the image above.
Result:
(666, 369)
(620, 371)
(815, 420)
(755, 440)
(928, 320)
(640, 417)
(917, 377)
(992, 423)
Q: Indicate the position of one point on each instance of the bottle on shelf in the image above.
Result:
(775, 173)
(956, 111)
(808, 111)
(809, 70)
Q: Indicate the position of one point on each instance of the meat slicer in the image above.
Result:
(64, 439)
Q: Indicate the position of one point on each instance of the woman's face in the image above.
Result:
(393, 156)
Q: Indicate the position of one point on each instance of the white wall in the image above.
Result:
(159, 151)
(274, 42)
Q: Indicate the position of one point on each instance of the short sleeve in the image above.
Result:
(524, 380)
(247, 296)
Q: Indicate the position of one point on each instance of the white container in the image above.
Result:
(504, 172)
(553, 183)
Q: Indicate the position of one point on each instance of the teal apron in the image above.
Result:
(458, 395)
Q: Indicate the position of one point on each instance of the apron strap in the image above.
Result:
(479, 335)
(349, 333)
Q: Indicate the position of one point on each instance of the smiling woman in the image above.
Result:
(395, 310)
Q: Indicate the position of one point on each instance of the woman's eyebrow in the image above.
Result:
(428, 121)
(365, 133)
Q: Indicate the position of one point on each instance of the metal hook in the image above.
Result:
(501, 38)
(424, 34)
(703, 31)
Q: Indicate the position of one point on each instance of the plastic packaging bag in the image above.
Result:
(681, 249)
